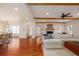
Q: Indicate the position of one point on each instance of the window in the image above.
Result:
(59, 29)
(69, 29)
(15, 29)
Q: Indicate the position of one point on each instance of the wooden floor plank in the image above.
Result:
(22, 47)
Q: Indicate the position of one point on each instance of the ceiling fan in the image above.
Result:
(66, 15)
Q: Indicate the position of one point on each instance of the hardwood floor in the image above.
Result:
(22, 47)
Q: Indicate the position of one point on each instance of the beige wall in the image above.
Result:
(75, 27)
(27, 25)
(27, 28)
(2, 27)
(43, 25)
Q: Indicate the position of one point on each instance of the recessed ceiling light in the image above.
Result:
(16, 9)
(77, 13)
(47, 13)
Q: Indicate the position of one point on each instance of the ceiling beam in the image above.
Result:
(49, 22)
(39, 18)
(55, 4)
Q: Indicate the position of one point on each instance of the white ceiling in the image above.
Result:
(8, 12)
(54, 11)
(39, 11)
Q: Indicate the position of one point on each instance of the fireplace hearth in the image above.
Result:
(49, 32)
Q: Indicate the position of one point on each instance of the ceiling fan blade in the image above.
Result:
(68, 13)
(69, 16)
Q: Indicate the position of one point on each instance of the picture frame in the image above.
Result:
(49, 25)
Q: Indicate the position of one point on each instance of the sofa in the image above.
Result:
(53, 43)
(50, 42)
(57, 40)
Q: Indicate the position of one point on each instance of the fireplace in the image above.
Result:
(49, 32)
